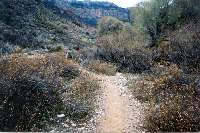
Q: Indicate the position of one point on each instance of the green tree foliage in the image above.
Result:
(155, 16)
(109, 25)
(183, 10)
(151, 17)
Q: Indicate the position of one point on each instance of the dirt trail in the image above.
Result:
(119, 111)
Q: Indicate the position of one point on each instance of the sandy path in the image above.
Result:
(120, 112)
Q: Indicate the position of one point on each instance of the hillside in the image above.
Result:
(33, 24)
(90, 12)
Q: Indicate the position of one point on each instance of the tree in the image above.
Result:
(183, 10)
(151, 17)
(154, 16)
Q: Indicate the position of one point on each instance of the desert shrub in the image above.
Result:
(146, 89)
(70, 72)
(80, 98)
(134, 61)
(156, 16)
(6, 48)
(141, 89)
(27, 103)
(102, 68)
(35, 65)
(18, 50)
(173, 100)
(58, 48)
(178, 114)
(124, 48)
(29, 91)
(181, 47)
(126, 38)
(186, 41)
(109, 25)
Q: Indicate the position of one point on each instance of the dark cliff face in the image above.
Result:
(90, 12)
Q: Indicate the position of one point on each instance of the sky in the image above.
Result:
(124, 3)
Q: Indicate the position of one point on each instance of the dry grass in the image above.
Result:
(102, 68)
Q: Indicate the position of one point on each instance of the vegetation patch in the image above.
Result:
(133, 61)
(80, 99)
(172, 97)
(29, 91)
(70, 72)
(123, 46)
(102, 67)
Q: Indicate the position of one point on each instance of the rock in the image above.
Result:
(66, 125)
(73, 125)
(60, 115)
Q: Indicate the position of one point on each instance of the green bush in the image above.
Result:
(58, 48)
(181, 47)
(128, 38)
(125, 49)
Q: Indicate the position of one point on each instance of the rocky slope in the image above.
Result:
(90, 12)
(33, 24)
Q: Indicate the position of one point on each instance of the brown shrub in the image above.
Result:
(147, 87)
(109, 25)
(80, 98)
(181, 47)
(70, 72)
(178, 114)
(29, 92)
(102, 68)
(173, 101)
(133, 61)
(125, 48)
(45, 66)
(127, 38)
